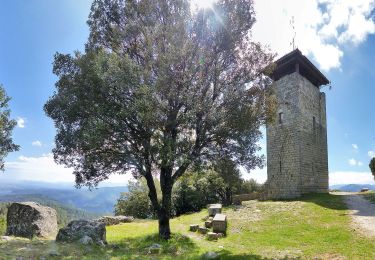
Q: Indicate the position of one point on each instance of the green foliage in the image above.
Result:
(135, 202)
(3, 214)
(195, 191)
(6, 128)
(372, 166)
(249, 186)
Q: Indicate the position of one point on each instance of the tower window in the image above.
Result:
(281, 117)
(314, 129)
(314, 123)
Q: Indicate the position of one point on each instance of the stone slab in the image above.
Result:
(214, 209)
(219, 223)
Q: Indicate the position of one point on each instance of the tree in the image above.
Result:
(195, 190)
(135, 202)
(227, 170)
(6, 127)
(372, 166)
(159, 90)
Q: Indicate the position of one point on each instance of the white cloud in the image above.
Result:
(360, 163)
(21, 122)
(322, 27)
(352, 162)
(371, 154)
(44, 169)
(36, 143)
(355, 146)
(351, 178)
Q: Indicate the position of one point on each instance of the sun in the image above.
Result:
(202, 4)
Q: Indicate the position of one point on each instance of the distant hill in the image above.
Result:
(64, 213)
(352, 187)
(99, 201)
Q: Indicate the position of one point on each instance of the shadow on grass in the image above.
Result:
(177, 246)
(326, 200)
(227, 255)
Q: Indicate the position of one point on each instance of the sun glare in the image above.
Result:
(202, 4)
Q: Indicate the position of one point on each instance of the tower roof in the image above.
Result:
(296, 61)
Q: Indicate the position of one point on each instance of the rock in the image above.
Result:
(210, 255)
(214, 209)
(212, 236)
(194, 228)
(220, 235)
(30, 219)
(86, 240)
(219, 224)
(208, 224)
(53, 253)
(79, 229)
(115, 220)
(203, 230)
(115, 246)
(154, 249)
(6, 238)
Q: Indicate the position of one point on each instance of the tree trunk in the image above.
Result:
(165, 209)
(164, 228)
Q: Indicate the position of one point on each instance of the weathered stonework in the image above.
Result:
(297, 157)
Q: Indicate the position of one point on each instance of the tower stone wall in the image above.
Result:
(297, 157)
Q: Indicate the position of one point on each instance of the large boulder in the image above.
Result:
(115, 220)
(80, 230)
(30, 219)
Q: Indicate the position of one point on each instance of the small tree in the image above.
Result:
(231, 175)
(135, 202)
(6, 127)
(372, 166)
(160, 90)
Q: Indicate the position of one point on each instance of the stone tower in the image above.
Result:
(297, 157)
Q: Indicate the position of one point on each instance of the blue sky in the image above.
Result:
(339, 39)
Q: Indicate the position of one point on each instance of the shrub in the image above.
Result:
(372, 166)
(135, 202)
(249, 186)
(195, 190)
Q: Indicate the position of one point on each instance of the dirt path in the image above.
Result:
(362, 212)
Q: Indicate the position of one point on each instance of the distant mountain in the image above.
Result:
(99, 201)
(352, 187)
(64, 213)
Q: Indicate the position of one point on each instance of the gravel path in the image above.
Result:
(362, 212)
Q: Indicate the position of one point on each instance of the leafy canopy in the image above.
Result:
(6, 127)
(160, 89)
(372, 166)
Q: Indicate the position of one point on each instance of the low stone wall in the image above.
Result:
(237, 199)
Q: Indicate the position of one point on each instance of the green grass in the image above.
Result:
(315, 227)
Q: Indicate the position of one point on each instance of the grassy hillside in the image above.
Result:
(316, 227)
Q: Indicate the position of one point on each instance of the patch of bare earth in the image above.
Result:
(362, 213)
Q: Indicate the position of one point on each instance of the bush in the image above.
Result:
(195, 190)
(192, 192)
(3, 214)
(249, 186)
(136, 202)
(372, 166)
